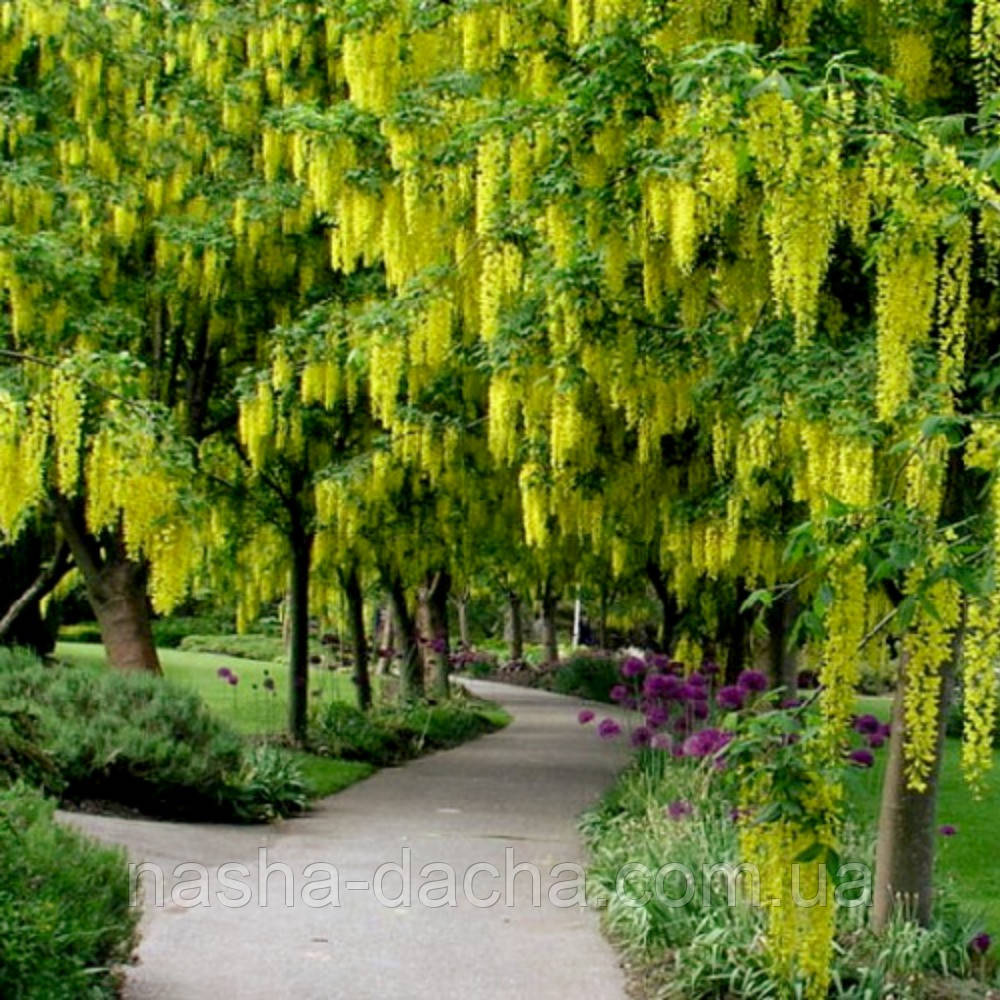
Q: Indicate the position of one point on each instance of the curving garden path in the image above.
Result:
(518, 790)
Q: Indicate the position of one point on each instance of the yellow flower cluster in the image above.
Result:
(928, 646)
(840, 668)
(66, 417)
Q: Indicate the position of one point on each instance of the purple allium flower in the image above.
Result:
(980, 944)
(633, 667)
(947, 830)
(224, 672)
(585, 715)
(692, 692)
(710, 668)
(700, 710)
(438, 645)
(641, 736)
(659, 685)
(618, 693)
(861, 758)
(730, 698)
(661, 741)
(233, 679)
(867, 725)
(657, 715)
(876, 741)
(679, 809)
(677, 750)
(698, 680)
(608, 729)
(752, 680)
(658, 661)
(268, 683)
(706, 742)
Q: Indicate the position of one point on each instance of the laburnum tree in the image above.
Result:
(674, 234)
(720, 273)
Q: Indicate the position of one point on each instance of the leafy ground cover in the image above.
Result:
(709, 948)
(65, 918)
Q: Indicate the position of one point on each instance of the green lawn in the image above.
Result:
(969, 858)
(248, 707)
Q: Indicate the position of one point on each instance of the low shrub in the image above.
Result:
(81, 632)
(247, 647)
(137, 741)
(65, 918)
(385, 737)
(586, 674)
(170, 633)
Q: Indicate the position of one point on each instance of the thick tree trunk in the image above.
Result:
(118, 597)
(439, 644)
(668, 605)
(116, 588)
(515, 627)
(356, 615)
(904, 859)
(298, 649)
(411, 673)
(550, 638)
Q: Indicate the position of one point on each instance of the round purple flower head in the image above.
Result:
(698, 680)
(752, 680)
(233, 679)
(876, 741)
(224, 672)
(700, 710)
(705, 743)
(608, 729)
(633, 667)
(861, 758)
(661, 741)
(641, 736)
(585, 716)
(730, 698)
(679, 809)
(660, 686)
(710, 668)
(867, 725)
(657, 715)
(268, 683)
(618, 693)
(947, 830)
(980, 944)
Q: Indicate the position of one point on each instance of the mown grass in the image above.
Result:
(968, 858)
(248, 707)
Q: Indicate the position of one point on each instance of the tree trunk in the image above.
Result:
(668, 604)
(550, 638)
(515, 627)
(298, 615)
(118, 597)
(41, 587)
(356, 613)
(462, 606)
(116, 588)
(439, 646)
(734, 636)
(784, 663)
(385, 636)
(904, 859)
(411, 673)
